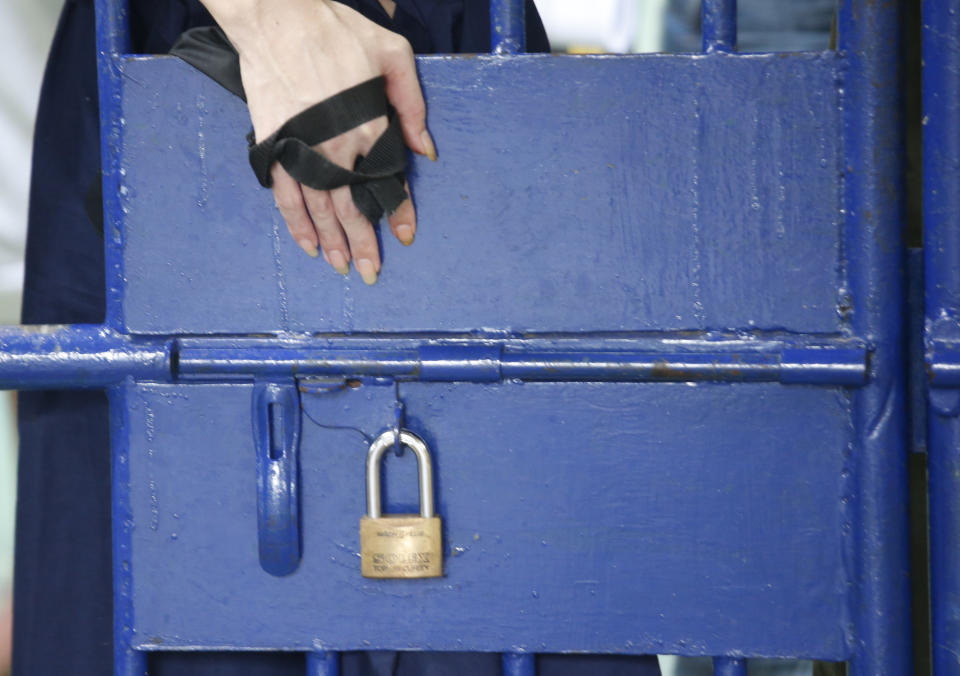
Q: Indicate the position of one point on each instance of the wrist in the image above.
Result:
(250, 24)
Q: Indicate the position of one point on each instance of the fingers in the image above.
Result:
(332, 221)
(360, 235)
(403, 91)
(332, 240)
(403, 221)
(289, 199)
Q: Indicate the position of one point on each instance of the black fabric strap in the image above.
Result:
(376, 180)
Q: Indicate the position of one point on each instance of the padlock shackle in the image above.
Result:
(424, 467)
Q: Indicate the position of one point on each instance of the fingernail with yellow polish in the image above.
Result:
(367, 270)
(429, 149)
(339, 262)
(405, 234)
(309, 247)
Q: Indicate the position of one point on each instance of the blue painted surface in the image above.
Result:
(508, 27)
(128, 661)
(113, 40)
(739, 202)
(719, 25)
(519, 664)
(652, 182)
(875, 255)
(941, 204)
(92, 356)
(275, 412)
(323, 663)
(559, 500)
(729, 666)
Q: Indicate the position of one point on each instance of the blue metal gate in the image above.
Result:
(651, 331)
(941, 175)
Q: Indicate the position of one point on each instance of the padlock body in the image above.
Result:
(401, 546)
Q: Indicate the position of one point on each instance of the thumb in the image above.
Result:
(404, 93)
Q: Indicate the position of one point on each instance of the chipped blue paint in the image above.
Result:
(661, 380)
(719, 25)
(875, 259)
(729, 666)
(275, 411)
(941, 218)
(508, 27)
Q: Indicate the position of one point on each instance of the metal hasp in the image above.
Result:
(719, 25)
(508, 32)
(276, 433)
(941, 246)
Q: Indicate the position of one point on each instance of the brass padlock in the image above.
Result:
(400, 545)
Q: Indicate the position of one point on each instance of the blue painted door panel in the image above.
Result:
(573, 194)
(577, 516)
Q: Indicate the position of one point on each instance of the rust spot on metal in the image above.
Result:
(662, 370)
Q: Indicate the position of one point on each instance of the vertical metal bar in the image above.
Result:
(519, 664)
(126, 660)
(941, 230)
(113, 39)
(129, 662)
(875, 258)
(729, 666)
(718, 21)
(508, 26)
(323, 663)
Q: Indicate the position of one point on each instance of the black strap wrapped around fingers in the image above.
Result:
(376, 180)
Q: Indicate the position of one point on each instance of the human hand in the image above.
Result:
(296, 53)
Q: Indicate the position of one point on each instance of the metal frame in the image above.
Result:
(867, 357)
(941, 222)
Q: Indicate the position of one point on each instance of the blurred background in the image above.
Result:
(26, 30)
(598, 26)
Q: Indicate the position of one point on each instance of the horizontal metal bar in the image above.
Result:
(79, 356)
(943, 364)
(87, 356)
(516, 360)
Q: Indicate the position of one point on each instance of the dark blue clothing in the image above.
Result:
(63, 587)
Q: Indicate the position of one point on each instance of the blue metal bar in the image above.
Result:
(508, 32)
(323, 663)
(276, 433)
(90, 356)
(729, 666)
(941, 232)
(519, 664)
(129, 662)
(719, 25)
(126, 660)
(845, 367)
(113, 40)
(879, 603)
(79, 356)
